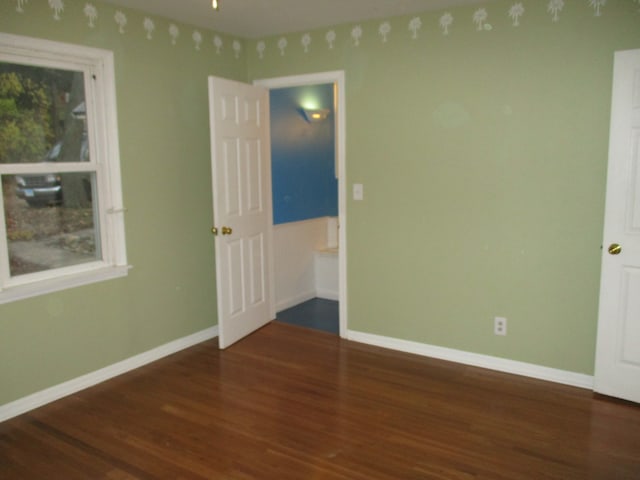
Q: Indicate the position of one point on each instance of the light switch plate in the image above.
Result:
(358, 191)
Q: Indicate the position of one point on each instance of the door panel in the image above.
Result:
(617, 370)
(256, 257)
(232, 177)
(630, 331)
(633, 201)
(234, 276)
(240, 158)
(254, 175)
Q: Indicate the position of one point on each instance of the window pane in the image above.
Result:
(42, 115)
(50, 221)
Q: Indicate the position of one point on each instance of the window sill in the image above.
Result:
(20, 292)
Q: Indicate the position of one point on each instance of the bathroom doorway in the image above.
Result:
(309, 237)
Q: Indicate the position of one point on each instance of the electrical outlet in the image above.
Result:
(500, 326)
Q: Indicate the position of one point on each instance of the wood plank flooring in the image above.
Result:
(292, 403)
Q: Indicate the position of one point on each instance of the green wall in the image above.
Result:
(483, 155)
(164, 146)
(483, 158)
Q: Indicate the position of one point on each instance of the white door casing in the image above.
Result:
(617, 370)
(337, 78)
(241, 180)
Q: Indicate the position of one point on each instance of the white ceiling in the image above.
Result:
(261, 18)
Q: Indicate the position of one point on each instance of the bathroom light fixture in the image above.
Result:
(315, 114)
(215, 4)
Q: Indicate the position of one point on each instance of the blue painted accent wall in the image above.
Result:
(302, 155)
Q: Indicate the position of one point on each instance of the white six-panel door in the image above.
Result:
(241, 168)
(617, 370)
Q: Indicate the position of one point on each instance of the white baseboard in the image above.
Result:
(477, 360)
(293, 301)
(327, 294)
(56, 392)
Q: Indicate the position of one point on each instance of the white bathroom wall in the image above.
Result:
(294, 247)
(306, 261)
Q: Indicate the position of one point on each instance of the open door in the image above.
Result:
(241, 179)
(617, 370)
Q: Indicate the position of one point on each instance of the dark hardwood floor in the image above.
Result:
(293, 403)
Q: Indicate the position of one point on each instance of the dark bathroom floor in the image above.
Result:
(317, 313)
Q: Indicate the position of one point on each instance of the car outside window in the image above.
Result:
(61, 213)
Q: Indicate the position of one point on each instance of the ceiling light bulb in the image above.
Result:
(215, 4)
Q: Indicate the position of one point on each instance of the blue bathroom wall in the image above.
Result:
(302, 155)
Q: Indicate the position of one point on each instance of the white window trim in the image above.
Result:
(99, 65)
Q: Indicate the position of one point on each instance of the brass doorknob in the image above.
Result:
(227, 230)
(214, 230)
(614, 249)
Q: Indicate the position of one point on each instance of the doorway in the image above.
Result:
(326, 226)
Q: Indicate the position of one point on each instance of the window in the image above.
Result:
(61, 214)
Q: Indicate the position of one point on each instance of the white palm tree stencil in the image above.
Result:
(446, 21)
(149, 26)
(282, 44)
(597, 5)
(480, 18)
(384, 30)
(237, 48)
(415, 24)
(197, 39)
(19, 6)
(554, 8)
(356, 34)
(91, 13)
(174, 33)
(121, 20)
(260, 48)
(515, 12)
(217, 42)
(330, 37)
(306, 41)
(58, 7)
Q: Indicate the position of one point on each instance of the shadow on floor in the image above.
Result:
(317, 313)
